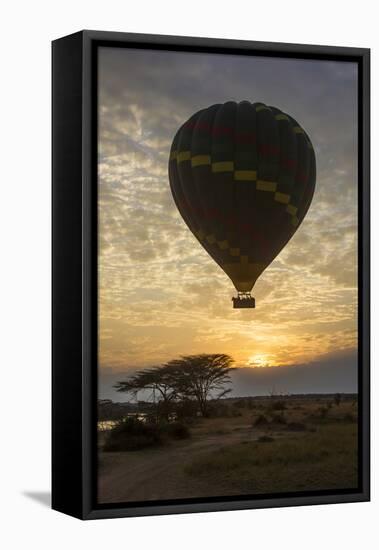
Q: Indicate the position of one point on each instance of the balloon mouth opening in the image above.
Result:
(243, 300)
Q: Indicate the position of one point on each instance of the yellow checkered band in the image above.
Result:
(200, 160)
(263, 185)
(245, 175)
(223, 166)
(234, 251)
(281, 117)
(282, 197)
(183, 155)
(298, 130)
(262, 108)
(291, 209)
(223, 245)
(240, 175)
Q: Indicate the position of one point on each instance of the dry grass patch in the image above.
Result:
(321, 460)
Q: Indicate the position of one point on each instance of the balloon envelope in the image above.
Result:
(242, 176)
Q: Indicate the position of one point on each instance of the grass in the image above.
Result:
(326, 458)
(315, 448)
(264, 439)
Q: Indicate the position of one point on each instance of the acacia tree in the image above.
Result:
(192, 377)
(156, 379)
(201, 376)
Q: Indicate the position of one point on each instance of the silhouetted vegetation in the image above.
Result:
(132, 434)
(190, 378)
(278, 405)
(108, 410)
(265, 439)
(349, 418)
(177, 430)
(186, 410)
(296, 427)
(244, 445)
(278, 419)
(261, 420)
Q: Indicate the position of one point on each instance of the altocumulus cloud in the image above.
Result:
(160, 293)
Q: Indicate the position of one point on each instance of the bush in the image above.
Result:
(186, 410)
(278, 406)
(219, 410)
(323, 412)
(337, 399)
(250, 403)
(221, 431)
(278, 419)
(349, 418)
(296, 427)
(163, 410)
(261, 420)
(131, 434)
(177, 430)
(265, 439)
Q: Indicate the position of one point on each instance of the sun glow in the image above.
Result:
(261, 360)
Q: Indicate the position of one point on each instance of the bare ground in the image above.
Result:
(224, 458)
(158, 474)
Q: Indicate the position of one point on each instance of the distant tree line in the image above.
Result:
(191, 379)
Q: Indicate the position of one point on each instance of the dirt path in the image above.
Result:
(157, 474)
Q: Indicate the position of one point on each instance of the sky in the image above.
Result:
(160, 294)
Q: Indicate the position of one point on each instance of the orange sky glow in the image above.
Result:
(160, 294)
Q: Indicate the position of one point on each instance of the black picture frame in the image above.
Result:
(74, 272)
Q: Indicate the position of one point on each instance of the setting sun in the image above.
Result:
(261, 360)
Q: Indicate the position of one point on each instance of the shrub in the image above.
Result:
(349, 418)
(186, 410)
(177, 430)
(265, 439)
(219, 410)
(322, 411)
(337, 399)
(278, 419)
(163, 410)
(278, 406)
(261, 420)
(131, 434)
(221, 431)
(296, 427)
(250, 403)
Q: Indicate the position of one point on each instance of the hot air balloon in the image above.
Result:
(242, 176)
